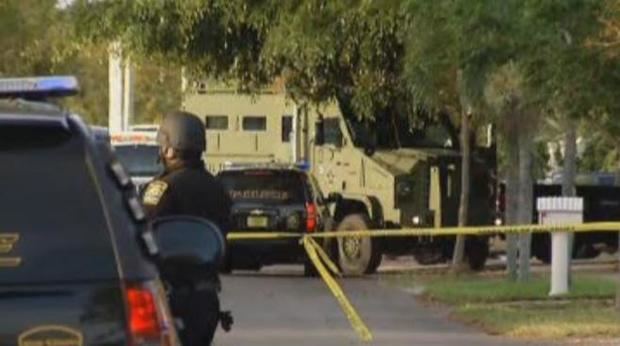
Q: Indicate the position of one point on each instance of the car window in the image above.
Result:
(49, 201)
(139, 160)
(264, 186)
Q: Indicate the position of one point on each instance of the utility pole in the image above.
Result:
(115, 74)
(121, 85)
(128, 97)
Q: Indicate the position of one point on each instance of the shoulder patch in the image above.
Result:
(154, 192)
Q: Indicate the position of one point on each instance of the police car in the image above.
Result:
(78, 262)
(138, 151)
(274, 198)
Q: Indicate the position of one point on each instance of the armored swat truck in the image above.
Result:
(405, 173)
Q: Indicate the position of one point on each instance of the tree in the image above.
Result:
(448, 65)
(345, 50)
(33, 37)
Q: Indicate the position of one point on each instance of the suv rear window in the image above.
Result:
(264, 186)
(48, 198)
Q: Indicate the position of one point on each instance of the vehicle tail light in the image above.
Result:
(311, 217)
(148, 319)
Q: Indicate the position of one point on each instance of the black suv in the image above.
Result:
(76, 266)
(277, 199)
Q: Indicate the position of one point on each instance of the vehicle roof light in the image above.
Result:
(38, 87)
(303, 165)
(133, 138)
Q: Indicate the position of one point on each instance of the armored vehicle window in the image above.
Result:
(287, 128)
(254, 123)
(264, 186)
(50, 202)
(216, 122)
(333, 134)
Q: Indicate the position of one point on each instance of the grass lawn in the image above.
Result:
(525, 309)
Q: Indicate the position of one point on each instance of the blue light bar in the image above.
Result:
(38, 87)
(303, 165)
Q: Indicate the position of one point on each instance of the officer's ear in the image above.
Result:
(169, 153)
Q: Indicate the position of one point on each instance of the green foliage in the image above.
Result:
(475, 289)
(551, 321)
(349, 50)
(33, 37)
(29, 44)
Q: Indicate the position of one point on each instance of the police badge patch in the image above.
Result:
(154, 192)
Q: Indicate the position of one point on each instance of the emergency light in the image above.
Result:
(38, 88)
(303, 165)
(133, 137)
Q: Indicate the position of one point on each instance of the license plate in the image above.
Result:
(257, 222)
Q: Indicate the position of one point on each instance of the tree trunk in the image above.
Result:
(526, 143)
(570, 160)
(459, 245)
(511, 199)
(569, 172)
(617, 182)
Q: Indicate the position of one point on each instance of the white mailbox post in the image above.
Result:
(560, 211)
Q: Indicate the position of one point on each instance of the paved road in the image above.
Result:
(280, 307)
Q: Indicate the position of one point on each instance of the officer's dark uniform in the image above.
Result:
(189, 189)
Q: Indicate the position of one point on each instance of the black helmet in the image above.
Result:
(182, 131)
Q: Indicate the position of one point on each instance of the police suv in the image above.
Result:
(274, 198)
(78, 263)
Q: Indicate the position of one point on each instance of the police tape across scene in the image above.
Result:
(314, 253)
(469, 230)
(322, 262)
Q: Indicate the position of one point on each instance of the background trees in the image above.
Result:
(539, 70)
(36, 39)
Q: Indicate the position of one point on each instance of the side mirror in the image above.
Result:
(334, 197)
(319, 133)
(185, 248)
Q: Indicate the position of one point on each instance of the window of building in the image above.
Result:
(255, 123)
(287, 128)
(216, 122)
(333, 134)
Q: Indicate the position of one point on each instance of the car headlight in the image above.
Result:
(404, 188)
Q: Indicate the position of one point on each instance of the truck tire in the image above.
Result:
(477, 252)
(355, 254)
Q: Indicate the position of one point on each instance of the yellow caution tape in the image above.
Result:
(470, 230)
(318, 256)
(324, 257)
(356, 321)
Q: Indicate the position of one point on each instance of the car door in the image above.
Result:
(59, 278)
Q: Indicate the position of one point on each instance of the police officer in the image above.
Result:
(187, 188)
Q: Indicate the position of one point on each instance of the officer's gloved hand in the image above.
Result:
(226, 320)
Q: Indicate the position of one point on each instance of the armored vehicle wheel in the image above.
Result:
(376, 257)
(355, 254)
(477, 252)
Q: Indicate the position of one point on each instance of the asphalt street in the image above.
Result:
(278, 306)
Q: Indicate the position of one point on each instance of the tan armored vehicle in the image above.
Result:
(401, 174)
